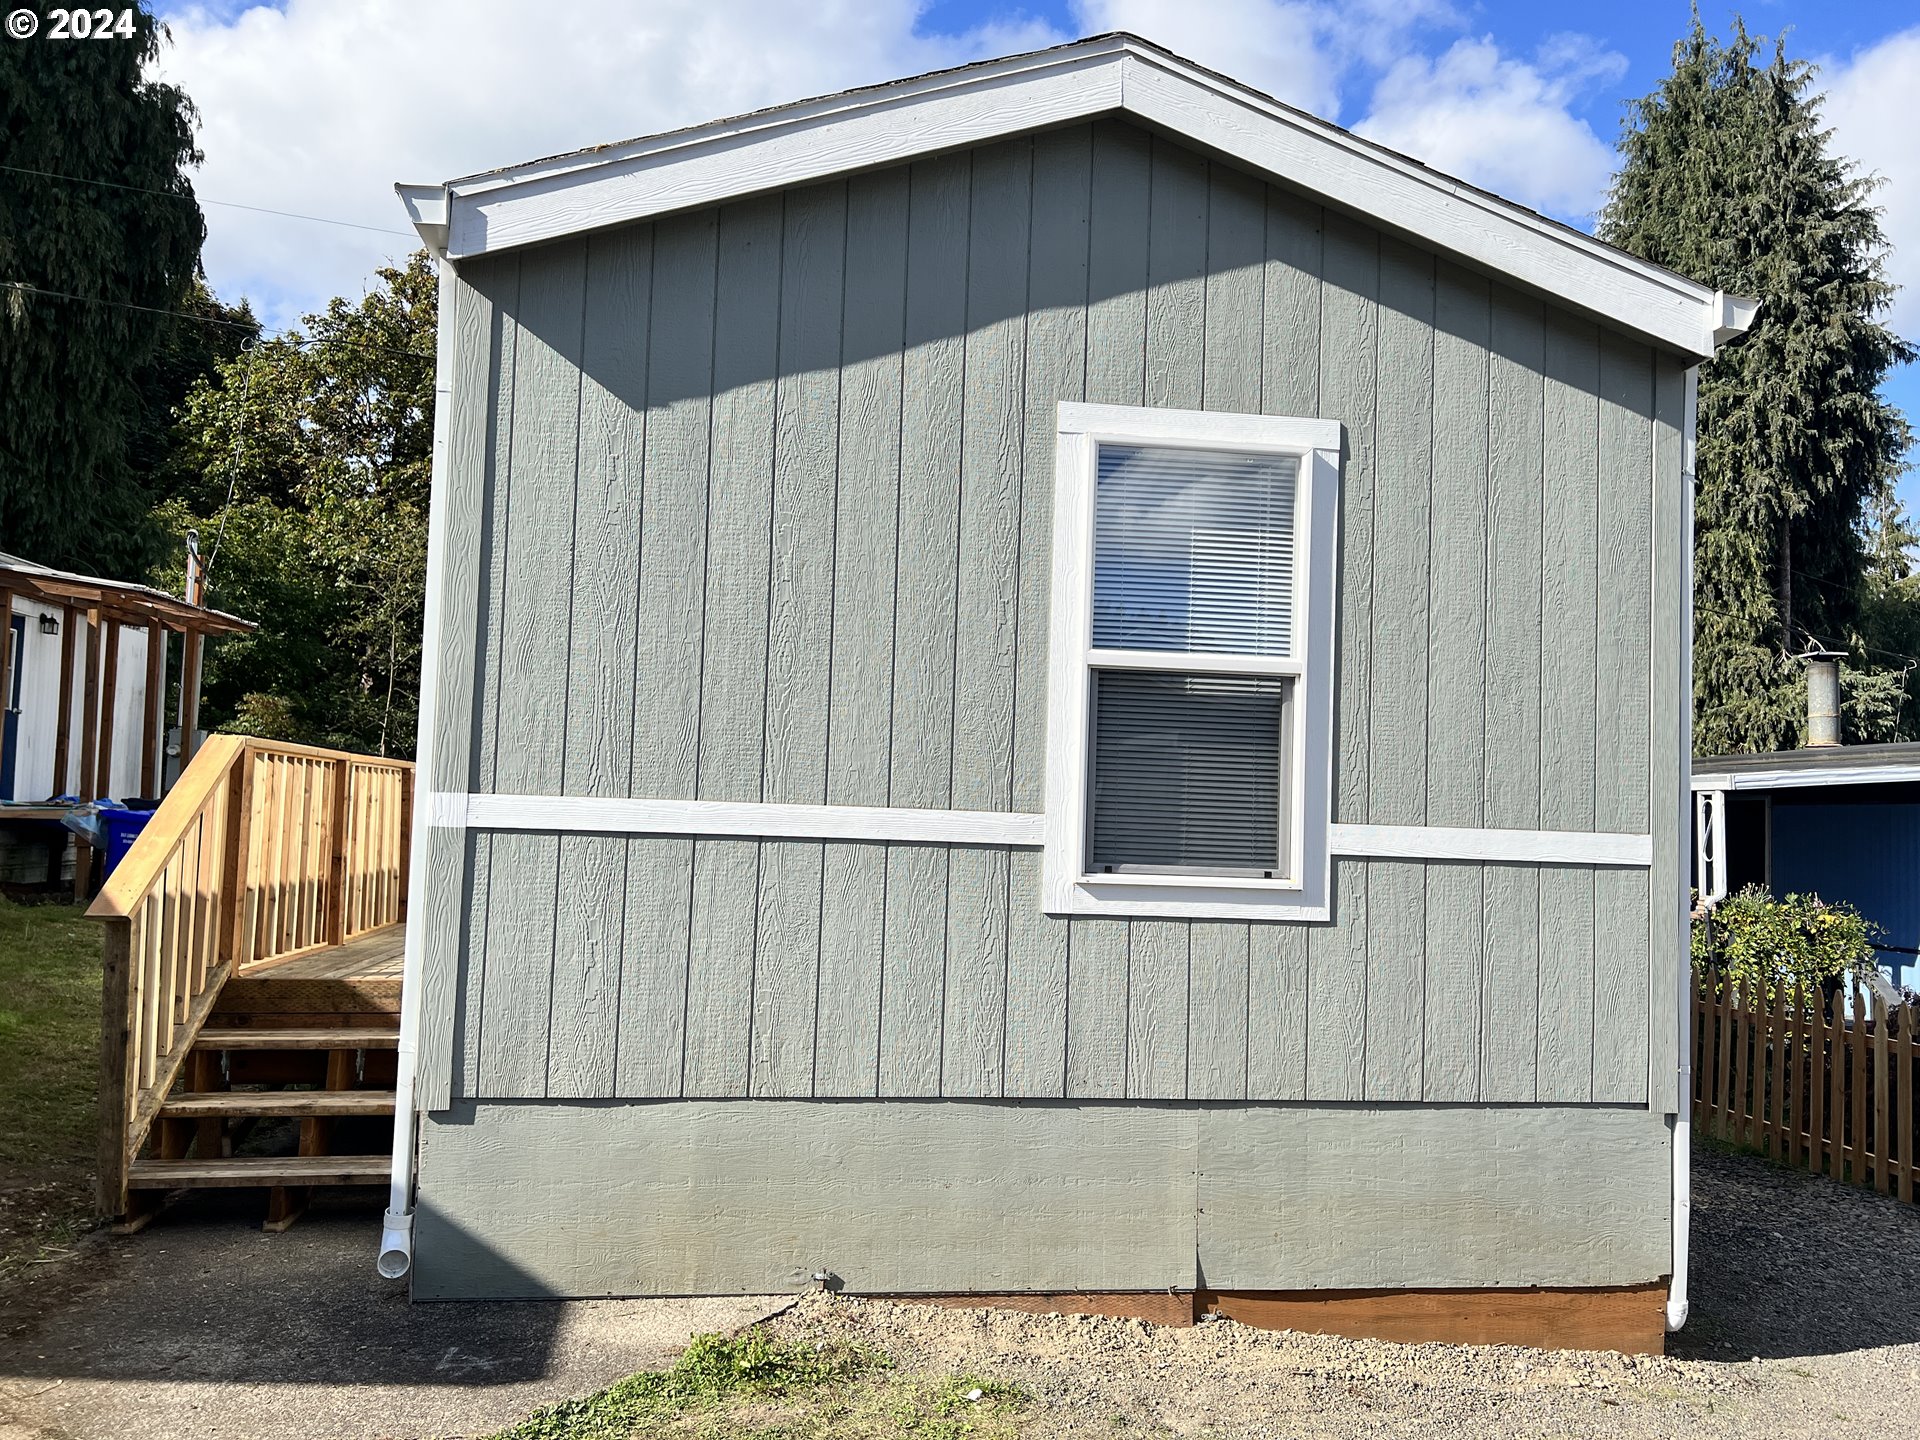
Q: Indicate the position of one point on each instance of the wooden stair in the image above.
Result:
(246, 1172)
(298, 1038)
(238, 1076)
(277, 1104)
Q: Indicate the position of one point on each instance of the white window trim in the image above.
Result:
(1066, 888)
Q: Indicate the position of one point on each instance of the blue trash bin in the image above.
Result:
(122, 826)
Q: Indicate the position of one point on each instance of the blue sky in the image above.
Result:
(318, 106)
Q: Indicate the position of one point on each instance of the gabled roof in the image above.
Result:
(1114, 74)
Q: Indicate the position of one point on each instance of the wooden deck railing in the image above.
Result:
(261, 852)
(1793, 1077)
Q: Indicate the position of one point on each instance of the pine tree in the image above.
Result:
(1727, 177)
(73, 370)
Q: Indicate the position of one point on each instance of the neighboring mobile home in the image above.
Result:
(1052, 679)
(83, 664)
(1839, 822)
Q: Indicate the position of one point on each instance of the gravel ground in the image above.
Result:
(1806, 1323)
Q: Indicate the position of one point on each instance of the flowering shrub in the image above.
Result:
(1759, 943)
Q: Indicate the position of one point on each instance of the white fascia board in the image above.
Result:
(1807, 779)
(892, 124)
(796, 145)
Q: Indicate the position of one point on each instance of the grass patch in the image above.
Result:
(752, 1387)
(49, 1077)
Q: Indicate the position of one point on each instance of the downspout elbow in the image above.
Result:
(396, 1244)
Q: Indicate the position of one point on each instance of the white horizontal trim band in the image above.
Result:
(565, 814)
(571, 814)
(1526, 847)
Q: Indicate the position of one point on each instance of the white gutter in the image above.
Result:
(396, 1231)
(1683, 1111)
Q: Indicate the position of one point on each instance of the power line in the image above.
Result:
(287, 337)
(201, 200)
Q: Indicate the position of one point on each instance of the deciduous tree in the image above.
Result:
(323, 439)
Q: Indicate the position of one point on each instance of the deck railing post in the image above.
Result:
(339, 836)
(405, 850)
(116, 1066)
(236, 858)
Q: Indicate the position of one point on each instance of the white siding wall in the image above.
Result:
(39, 662)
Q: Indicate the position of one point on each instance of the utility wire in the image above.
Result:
(288, 337)
(201, 200)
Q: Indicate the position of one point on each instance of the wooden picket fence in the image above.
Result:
(1792, 1077)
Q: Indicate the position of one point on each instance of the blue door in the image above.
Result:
(10, 729)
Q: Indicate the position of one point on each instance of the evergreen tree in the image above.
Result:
(1726, 176)
(72, 371)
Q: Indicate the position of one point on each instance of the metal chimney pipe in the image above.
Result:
(1823, 699)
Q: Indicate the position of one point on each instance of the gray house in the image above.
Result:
(1059, 682)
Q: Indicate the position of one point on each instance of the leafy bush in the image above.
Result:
(1760, 944)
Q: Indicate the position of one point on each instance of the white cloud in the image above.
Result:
(1299, 51)
(1502, 123)
(1870, 100)
(321, 105)
(319, 108)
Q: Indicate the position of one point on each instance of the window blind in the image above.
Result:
(1193, 550)
(1186, 771)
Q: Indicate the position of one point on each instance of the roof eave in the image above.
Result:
(1112, 74)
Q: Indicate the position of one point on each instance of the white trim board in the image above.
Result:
(1865, 774)
(1529, 847)
(1113, 74)
(572, 815)
(559, 814)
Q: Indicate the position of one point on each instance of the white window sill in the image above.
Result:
(1187, 898)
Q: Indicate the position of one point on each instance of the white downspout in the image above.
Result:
(1683, 1114)
(396, 1231)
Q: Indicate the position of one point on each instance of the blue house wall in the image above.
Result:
(1866, 854)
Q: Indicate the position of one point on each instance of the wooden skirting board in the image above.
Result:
(1628, 1318)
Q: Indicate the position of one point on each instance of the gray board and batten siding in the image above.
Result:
(754, 504)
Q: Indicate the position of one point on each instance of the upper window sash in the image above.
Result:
(1315, 445)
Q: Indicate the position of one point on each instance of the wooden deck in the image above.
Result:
(360, 978)
(372, 956)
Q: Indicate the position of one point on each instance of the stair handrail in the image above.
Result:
(262, 851)
(163, 961)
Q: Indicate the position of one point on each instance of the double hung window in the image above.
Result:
(1190, 688)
